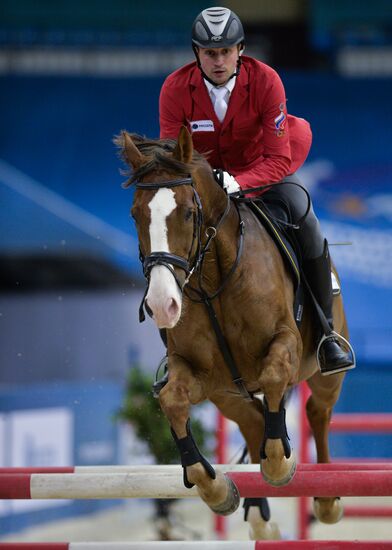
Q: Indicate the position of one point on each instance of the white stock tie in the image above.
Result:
(220, 105)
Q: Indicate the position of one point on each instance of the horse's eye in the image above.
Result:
(188, 214)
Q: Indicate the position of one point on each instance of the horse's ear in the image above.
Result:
(131, 153)
(184, 148)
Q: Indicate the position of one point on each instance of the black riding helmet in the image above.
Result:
(217, 28)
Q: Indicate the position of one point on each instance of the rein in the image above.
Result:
(169, 260)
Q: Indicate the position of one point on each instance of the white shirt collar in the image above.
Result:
(229, 85)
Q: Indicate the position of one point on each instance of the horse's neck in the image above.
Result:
(224, 250)
(213, 198)
(224, 247)
(227, 240)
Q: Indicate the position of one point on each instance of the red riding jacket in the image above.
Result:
(257, 142)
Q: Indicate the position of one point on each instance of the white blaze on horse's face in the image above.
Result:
(163, 297)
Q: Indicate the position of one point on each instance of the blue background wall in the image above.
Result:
(92, 407)
(61, 196)
(59, 130)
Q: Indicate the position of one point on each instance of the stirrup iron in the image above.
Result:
(345, 345)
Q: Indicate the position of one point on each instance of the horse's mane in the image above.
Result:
(158, 156)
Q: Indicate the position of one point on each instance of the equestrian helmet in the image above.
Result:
(217, 28)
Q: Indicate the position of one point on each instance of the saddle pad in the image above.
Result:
(288, 255)
(280, 239)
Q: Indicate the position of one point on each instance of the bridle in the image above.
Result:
(191, 264)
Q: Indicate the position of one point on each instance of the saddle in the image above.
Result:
(287, 249)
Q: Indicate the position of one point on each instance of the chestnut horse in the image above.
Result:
(196, 242)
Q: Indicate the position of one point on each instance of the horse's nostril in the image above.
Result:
(173, 307)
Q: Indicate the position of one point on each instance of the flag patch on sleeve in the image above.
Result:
(280, 123)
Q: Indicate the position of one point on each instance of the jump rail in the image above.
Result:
(156, 468)
(166, 482)
(361, 423)
(376, 423)
(209, 545)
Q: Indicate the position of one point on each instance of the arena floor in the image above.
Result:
(192, 521)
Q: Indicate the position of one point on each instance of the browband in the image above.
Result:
(160, 184)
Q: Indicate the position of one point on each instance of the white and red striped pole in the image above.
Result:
(309, 480)
(156, 469)
(375, 423)
(205, 545)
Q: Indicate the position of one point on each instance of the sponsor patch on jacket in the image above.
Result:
(201, 126)
(279, 123)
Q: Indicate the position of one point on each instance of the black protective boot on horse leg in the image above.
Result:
(275, 428)
(333, 358)
(191, 455)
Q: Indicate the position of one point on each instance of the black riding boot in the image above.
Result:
(332, 357)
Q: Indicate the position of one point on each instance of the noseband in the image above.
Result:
(169, 260)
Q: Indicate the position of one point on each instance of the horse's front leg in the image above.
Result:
(279, 369)
(182, 389)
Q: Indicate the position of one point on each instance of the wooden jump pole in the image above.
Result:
(168, 484)
(375, 423)
(207, 545)
(157, 469)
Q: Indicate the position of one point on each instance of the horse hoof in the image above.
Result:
(232, 501)
(284, 472)
(268, 531)
(259, 529)
(328, 510)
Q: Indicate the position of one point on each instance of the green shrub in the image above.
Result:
(142, 410)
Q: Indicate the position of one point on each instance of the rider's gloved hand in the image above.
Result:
(227, 181)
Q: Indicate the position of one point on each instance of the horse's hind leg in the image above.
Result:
(249, 418)
(325, 393)
(216, 489)
(257, 512)
(279, 370)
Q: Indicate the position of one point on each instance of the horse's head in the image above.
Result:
(168, 216)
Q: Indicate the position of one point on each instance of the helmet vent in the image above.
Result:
(233, 30)
(221, 11)
(201, 32)
(216, 19)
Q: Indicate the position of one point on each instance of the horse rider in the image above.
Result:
(235, 108)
